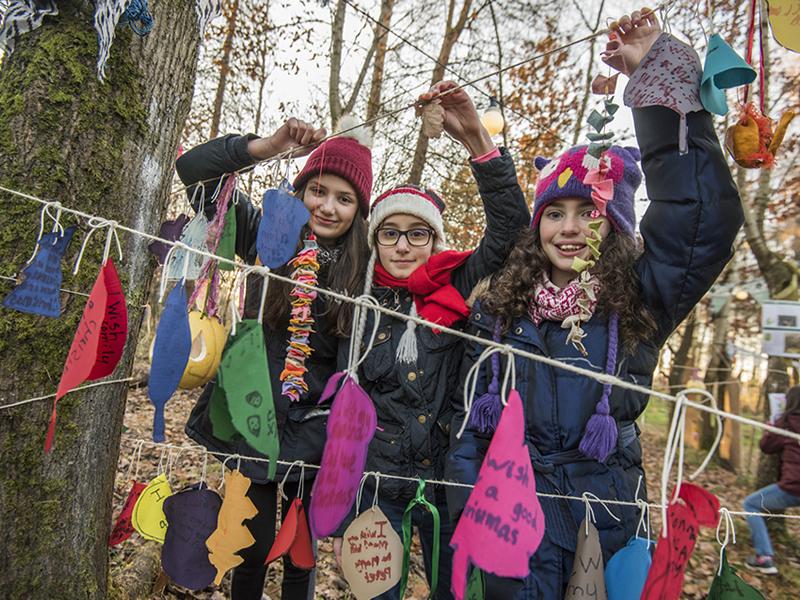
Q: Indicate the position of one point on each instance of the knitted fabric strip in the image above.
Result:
(301, 322)
(212, 242)
(20, 17)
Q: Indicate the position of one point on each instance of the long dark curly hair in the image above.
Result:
(510, 289)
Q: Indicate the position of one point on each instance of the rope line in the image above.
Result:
(505, 348)
(442, 482)
(77, 389)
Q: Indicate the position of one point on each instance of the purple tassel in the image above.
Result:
(485, 413)
(600, 437)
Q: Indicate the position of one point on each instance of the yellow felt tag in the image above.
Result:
(231, 534)
(148, 516)
(594, 246)
(564, 177)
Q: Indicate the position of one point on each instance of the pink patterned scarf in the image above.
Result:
(570, 305)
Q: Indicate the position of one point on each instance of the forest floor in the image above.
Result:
(134, 562)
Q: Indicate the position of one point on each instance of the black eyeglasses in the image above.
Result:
(388, 236)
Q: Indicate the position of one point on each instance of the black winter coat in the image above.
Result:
(301, 425)
(413, 401)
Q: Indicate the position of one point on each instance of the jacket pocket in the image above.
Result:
(380, 360)
(388, 454)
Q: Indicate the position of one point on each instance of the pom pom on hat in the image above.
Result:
(347, 156)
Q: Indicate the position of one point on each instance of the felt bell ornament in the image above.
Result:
(753, 141)
(208, 340)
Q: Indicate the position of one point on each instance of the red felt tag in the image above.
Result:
(665, 578)
(99, 339)
(122, 527)
(294, 537)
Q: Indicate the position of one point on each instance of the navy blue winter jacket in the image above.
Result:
(688, 231)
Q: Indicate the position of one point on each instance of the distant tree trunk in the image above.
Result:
(678, 373)
(376, 85)
(106, 149)
(224, 67)
(452, 32)
(718, 369)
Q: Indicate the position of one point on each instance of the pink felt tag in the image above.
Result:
(502, 524)
(351, 426)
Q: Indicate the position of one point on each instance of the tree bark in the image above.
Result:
(106, 149)
(224, 68)
(376, 85)
(452, 33)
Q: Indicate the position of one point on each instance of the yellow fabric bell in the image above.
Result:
(208, 341)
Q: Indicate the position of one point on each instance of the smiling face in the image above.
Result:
(333, 205)
(402, 259)
(563, 230)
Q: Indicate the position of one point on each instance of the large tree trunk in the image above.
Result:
(107, 149)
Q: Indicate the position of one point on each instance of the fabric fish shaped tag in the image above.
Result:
(171, 349)
(39, 290)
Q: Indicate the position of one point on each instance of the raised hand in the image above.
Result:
(294, 133)
(630, 40)
(461, 120)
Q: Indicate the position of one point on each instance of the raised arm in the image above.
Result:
(503, 200)
(695, 211)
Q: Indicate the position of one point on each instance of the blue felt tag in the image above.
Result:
(282, 219)
(626, 571)
(723, 69)
(171, 350)
(40, 290)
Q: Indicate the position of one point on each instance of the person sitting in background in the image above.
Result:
(777, 496)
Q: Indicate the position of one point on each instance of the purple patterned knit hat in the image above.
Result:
(564, 176)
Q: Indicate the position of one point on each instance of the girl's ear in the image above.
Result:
(540, 162)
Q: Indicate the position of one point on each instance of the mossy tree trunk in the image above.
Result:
(106, 149)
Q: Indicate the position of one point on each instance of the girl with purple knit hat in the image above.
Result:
(580, 288)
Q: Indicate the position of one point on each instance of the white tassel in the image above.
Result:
(407, 348)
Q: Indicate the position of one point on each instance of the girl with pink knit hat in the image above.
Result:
(335, 186)
(580, 288)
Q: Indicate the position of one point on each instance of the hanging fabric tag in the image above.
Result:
(503, 544)
(665, 578)
(727, 585)
(192, 516)
(221, 424)
(475, 585)
(227, 242)
(245, 378)
(587, 578)
(171, 349)
(723, 69)
(627, 570)
(294, 538)
(371, 554)
(421, 501)
(169, 230)
(282, 219)
(784, 23)
(351, 426)
(99, 339)
(148, 514)
(194, 236)
(208, 341)
(231, 534)
(123, 528)
(39, 290)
